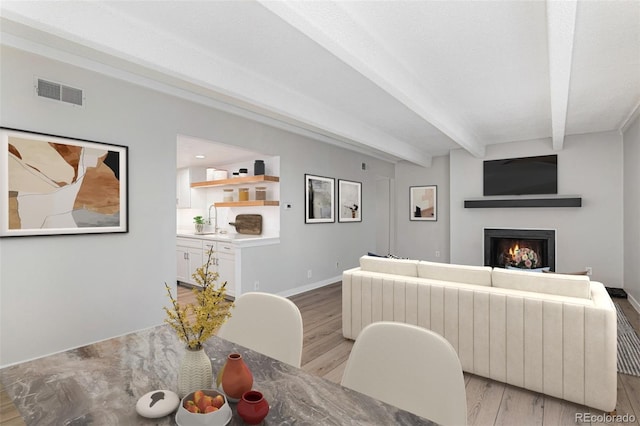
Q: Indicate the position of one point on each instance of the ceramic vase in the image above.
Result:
(253, 408)
(195, 372)
(236, 377)
(199, 227)
(258, 167)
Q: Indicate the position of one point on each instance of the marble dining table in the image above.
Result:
(99, 384)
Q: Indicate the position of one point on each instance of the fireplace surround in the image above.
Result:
(501, 245)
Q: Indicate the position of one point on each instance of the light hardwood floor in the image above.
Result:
(325, 352)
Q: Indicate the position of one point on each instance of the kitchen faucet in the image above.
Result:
(215, 227)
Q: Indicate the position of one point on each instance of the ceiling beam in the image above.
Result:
(136, 44)
(179, 88)
(561, 22)
(332, 27)
(630, 118)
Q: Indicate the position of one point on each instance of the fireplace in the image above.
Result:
(520, 248)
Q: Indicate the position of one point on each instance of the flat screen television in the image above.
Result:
(521, 176)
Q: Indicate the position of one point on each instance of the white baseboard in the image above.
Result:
(634, 303)
(308, 287)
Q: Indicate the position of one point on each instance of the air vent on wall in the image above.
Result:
(59, 92)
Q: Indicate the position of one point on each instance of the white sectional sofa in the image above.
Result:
(550, 333)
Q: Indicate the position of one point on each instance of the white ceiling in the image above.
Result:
(401, 80)
(197, 152)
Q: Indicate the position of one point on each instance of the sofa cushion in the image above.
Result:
(404, 267)
(561, 285)
(568, 273)
(478, 275)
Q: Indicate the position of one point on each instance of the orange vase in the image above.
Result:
(236, 377)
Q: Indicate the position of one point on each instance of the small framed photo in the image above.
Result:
(423, 203)
(319, 199)
(349, 201)
(54, 185)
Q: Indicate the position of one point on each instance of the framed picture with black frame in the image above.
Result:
(349, 201)
(423, 203)
(55, 185)
(319, 199)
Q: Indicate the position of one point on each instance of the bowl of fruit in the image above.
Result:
(206, 407)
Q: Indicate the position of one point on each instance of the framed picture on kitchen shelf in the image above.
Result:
(423, 203)
(349, 201)
(54, 185)
(319, 199)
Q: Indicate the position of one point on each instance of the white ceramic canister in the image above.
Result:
(220, 174)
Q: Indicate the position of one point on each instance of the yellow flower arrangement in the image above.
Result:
(210, 311)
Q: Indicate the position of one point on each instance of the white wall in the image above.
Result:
(422, 239)
(325, 249)
(632, 212)
(589, 166)
(58, 292)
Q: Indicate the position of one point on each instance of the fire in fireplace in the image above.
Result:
(519, 248)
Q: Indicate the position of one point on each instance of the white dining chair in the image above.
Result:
(267, 323)
(411, 368)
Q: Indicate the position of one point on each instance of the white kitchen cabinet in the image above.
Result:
(192, 253)
(224, 260)
(227, 257)
(227, 266)
(189, 257)
(184, 178)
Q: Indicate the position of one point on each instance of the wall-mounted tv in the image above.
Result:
(521, 176)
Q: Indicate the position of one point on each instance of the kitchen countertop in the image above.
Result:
(239, 240)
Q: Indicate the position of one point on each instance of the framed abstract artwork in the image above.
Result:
(319, 199)
(349, 201)
(423, 203)
(54, 185)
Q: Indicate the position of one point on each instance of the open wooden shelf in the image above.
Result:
(254, 203)
(236, 181)
(240, 181)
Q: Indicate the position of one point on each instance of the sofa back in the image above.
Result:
(478, 275)
(512, 279)
(557, 284)
(406, 267)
